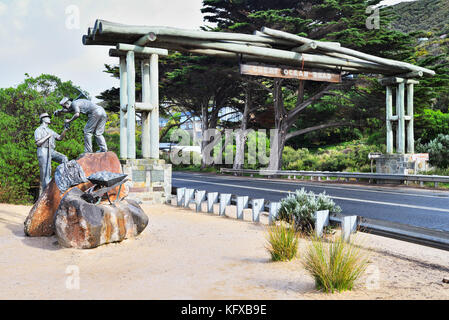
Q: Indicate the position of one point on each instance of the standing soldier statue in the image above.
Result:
(45, 142)
(96, 121)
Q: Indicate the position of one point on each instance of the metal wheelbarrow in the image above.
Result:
(106, 181)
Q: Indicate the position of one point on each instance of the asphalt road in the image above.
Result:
(422, 208)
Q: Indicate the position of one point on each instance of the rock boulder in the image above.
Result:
(83, 225)
(39, 222)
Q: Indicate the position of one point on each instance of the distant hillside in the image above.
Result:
(426, 15)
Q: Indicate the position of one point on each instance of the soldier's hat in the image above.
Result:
(44, 115)
(64, 101)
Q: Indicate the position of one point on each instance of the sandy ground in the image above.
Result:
(185, 255)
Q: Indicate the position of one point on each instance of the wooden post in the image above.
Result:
(225, 200)
(131, 120)
(242, 203)
(322, 220)
(146, 142)
(200, 196)
(257, 205)
(154, 116)
(400, 96)
(410, 133)
(389, 109)
(274, 209)
(123, 109)
(212, 198)
(188, 195)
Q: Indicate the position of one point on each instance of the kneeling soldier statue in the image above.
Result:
(45, 142)
(96, 121)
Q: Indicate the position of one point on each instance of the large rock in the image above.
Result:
(83, 225)
(39, 222)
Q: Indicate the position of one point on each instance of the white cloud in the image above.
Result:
(39, 42)
(21, 7)
(3, 8)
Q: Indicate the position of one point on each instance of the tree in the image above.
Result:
(336, 20)
(19, 117)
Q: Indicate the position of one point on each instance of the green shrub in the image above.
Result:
(299, 208)
(282, 242)
(347, 157)
(335, 265)
(438, 150)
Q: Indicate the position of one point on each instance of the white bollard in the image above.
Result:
(212, 197)
(348, 226)
(257, 205)
(188, 197)
(274, 209)
(242, 203)
(180, 196)
(321, 221)
(225, 200)
(200, 196)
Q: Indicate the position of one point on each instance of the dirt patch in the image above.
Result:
(186, 255)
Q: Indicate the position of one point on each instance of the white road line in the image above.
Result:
(331, 187)
(337, 198)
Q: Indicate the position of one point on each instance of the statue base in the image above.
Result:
(401, 164)
(150, 180)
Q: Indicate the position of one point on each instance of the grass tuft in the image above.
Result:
(334, 264)
(282, 242)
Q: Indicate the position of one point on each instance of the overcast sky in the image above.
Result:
(43, 37)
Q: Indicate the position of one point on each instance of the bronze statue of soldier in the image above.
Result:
(46, 153)
(96, 121)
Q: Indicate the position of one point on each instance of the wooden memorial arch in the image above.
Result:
(270, 47)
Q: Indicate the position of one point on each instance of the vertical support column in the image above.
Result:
(389, 109)
(400, 99)
(131, 136)
(123, 107)
(145, 115)
(154, 116)
(410, 133)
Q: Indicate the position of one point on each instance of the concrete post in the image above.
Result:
(131, 135)
(212, 198)
(272, 214)
(154, 116)
(123, 103)
(200, 196)
(410, 133)
(225, 200)
(400, 97)
(257, 205)
(389, 109)
(348, 226)
(145, 115)
(242, 203)
(180, 192)
(322, 220)
(188, 197)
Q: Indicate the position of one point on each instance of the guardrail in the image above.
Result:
(349, 223)
(371, 177)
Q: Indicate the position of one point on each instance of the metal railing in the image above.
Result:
(371, 177)
(423, 236)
